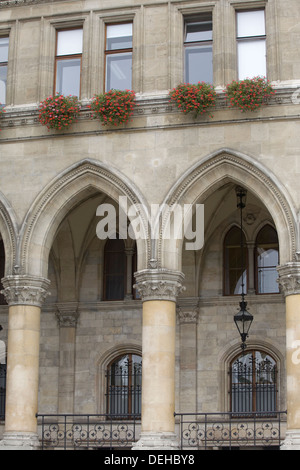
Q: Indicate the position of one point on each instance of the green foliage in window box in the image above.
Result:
(249, 94)
(197, 99)
(59, 111)
(113, 107)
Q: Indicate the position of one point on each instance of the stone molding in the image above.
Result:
(289, 279)
(157, 441)
(292, 440)
(25, 290)
(159, 284)
(188, 311)
(67, 314)
(28, 116)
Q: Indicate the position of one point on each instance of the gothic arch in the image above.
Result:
(67, 190)
(213, 172)
(9, 235)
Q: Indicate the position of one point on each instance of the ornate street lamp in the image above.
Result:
(243, 319)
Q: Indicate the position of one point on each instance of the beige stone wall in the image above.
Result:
(150, 156)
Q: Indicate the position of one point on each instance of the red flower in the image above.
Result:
(59, 111)
(193, 98)
(113, 107)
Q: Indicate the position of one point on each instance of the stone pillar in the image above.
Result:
(67, 317)
(159, 289)
(128, 286)
(188, 313)
(289, 280)
(24, 295)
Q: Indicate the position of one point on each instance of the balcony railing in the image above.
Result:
(82, 432)
(204, 431)
(201, 431)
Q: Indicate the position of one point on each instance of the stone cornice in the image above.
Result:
(25, 290)
(289, 278)
(159, 284)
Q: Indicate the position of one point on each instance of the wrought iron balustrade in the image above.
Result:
(81, 432)
(204, 431)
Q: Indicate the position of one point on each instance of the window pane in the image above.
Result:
(119, 36)
(251, 23)
(3, 79)
(234, 273)
(68, 77)
(198, 64)
(252, 59)
(69, 42)
(118, 71)
(4, 49)
(199, 31)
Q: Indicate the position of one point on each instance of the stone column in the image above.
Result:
(188, 313)
(289, 280)
(159, 289)
(128, 286)
(24, 295)
(67, 317)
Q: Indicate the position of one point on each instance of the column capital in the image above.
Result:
(289, 278)
(188, 310)
(25, 290)
(67, 314)
(159, 284)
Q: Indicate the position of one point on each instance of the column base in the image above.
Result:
(19, 441)
(292, 440)
(157, 441)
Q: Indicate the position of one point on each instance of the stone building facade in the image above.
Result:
(63, 328)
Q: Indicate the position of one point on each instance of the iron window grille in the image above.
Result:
(253, 384)
(124, 386)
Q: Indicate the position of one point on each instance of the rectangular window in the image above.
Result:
(198, 49)
(4, 41)
(68, 62)
(251, 44)
(118, 57)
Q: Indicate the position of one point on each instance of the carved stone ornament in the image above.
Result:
(289, 278)
(67, 315)
(187, 315)
(25, 290)
(159, 284)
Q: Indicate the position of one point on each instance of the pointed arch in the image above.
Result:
(9, 235)
(214, 171)
(67, 190)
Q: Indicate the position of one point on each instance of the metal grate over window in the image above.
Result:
(253, 383)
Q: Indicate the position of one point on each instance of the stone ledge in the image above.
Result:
(18, 116)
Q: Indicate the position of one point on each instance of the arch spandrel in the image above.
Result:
(68, 190)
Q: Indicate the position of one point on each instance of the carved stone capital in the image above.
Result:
(188, 311)
(25, 290)
(67, 314)
(159, 284)
(289, 278)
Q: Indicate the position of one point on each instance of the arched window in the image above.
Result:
(124, 386)
(267, 260)
(235, 265)
(114, 270)
(253, 383)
